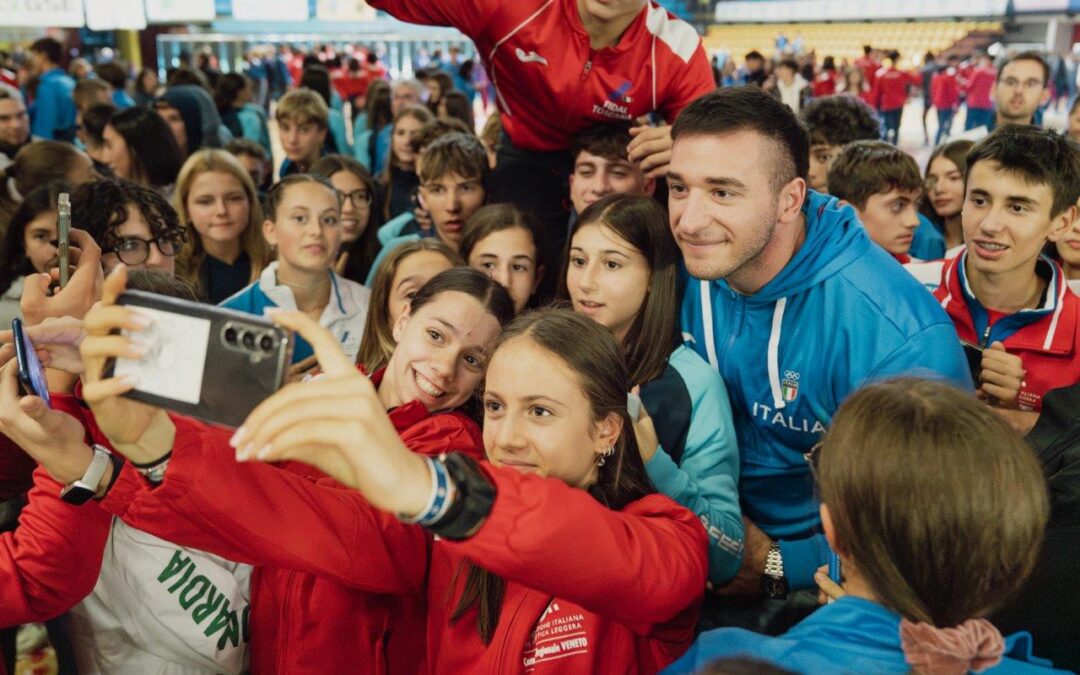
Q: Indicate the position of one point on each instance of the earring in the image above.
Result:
(604, 455)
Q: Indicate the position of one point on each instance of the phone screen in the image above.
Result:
(974, 355)
(31, 372)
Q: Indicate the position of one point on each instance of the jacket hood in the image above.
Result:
(200, 115)
(834, 239)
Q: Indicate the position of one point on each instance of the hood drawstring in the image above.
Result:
(774, 353)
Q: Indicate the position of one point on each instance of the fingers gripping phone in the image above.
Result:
(974, 354)
(31, 372)
(208, 362)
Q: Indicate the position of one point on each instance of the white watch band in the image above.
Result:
(92, 478)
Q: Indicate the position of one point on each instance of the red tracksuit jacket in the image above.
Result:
(944, 90)
(1046, 339)
(589, 590)
(978, 86)
(332, 620)
(891, 88)
(53, 558)
(551, 84)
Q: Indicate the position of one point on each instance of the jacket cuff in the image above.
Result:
(802, 558)
(665, 474)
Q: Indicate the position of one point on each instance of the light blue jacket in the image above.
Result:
(336, 124)
(697, 464)
(840, 314)
(52, 114)
(344, 315)
(851, 635)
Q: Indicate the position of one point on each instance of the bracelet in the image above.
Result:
(443, 492)
(475, 499)
(155, 471)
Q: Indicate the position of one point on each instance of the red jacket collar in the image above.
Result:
(403, 416)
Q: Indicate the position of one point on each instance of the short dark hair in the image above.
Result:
(1039, 156)
(112, 73)
(49, 48)
(603, 140)
(1027, 56)
(95, 118)
(789, 63)
(246, 146)
(751, 108)
(867, 168)
(496, 218)
(156, 158)
(753, 54)
(839, 120)
(100, 208)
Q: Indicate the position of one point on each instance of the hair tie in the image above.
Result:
(12, 190)
(974, 645)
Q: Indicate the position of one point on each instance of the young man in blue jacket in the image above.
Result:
(52, 114)
(792, 303)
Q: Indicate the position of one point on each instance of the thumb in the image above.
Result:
(997, 346)
(33, 406)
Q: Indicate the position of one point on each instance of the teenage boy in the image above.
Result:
(559, 66)
(833, 122)
(52, 114)
(883, 185)
(602, 167)
(454, 177)
(890, 92)
(14, 124)
(1007, 300)
(978, 86)
(1021, 87)
(303, 120)
(796, 308)
(790, 87)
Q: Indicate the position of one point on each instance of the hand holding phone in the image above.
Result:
(31, 373)
(63, 227)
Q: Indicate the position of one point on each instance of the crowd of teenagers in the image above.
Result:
(646, 376)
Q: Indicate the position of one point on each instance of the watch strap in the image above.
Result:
(774, 561)
(86, 487)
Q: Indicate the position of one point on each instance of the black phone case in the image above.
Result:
(26, 385)
(233, 383)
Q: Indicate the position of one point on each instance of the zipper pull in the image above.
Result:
(986, 336)
(588, 67)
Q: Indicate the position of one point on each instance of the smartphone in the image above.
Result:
(63, 246)
(208, 362)
(31, 372)
(974, 354)
(836, 574)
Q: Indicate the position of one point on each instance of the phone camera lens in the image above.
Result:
(231, 335)
(266, 343)
(248, 339)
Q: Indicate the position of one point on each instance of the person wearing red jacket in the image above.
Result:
(945, 97)
(1005, 298)
(436, 366)
(559, 66)
(890, 92)
(558, 556)
(979, 90)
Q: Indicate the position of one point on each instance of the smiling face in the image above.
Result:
(451, 200)
(607, 278)
(39, 239)
(890, 218)
(722, 202)
(306, 231)
(595, 177)
(413, 272)
(945, 187)
(218, 206)
(441, 352)
(537, 418)
(1006, 220)
(509, 257)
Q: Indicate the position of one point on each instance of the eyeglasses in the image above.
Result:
(812, 458)
(135, 251)
(359, 198)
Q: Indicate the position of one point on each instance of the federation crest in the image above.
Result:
(789, 386)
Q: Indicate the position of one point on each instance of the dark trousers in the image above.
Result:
(890, 125)
(537, 183)
(759, 614)
(944, 121)
(978, 117)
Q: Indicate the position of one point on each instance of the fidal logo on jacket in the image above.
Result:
(789, 386)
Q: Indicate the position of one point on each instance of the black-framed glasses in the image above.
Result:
(812, 458)
(359, 198)
(135, 251)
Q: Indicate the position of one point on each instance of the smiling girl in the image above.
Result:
(620, 272)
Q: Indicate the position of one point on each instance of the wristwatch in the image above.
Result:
(86, 487)
(773, 582)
